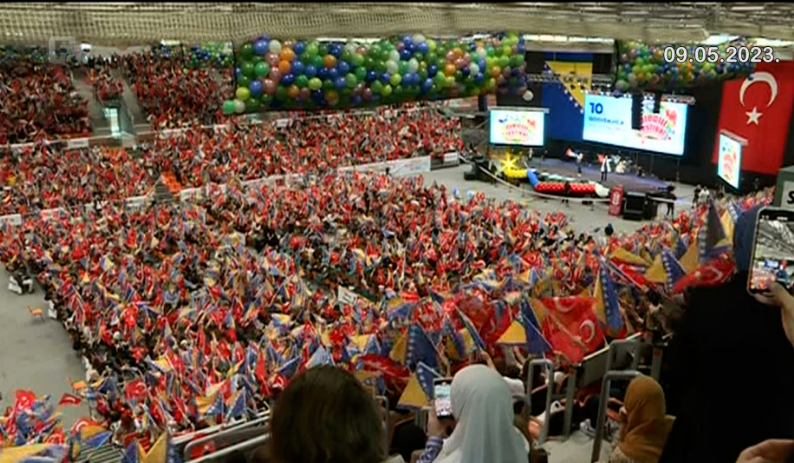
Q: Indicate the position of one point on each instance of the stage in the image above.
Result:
(593, 173)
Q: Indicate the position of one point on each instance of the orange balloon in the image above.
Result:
(496, 72)
(284, 67)
(457, 52)
(329, 61)
(293, 91)
(450, 69)
(286, 54)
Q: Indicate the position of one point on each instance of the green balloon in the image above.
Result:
(301, 81)
(281, 92)
(386, 90)
(369, 63)
(361, 73)
(458, 76)
(399, 92)
(265, 100)
(504, 61)
(252, 105)
(402, 66)
(247, 50)
(351, 80)
(395, 79)
(247, 68)
(377, 87)
(243, 81)
(380, 66)
(311, 49)
(261, 69)
(357, 59)
(422, 74)
(315, 83)
(506, 50)
(242, 93)
(328, 84)
(228, 107)
(317, 61)
(439, 79)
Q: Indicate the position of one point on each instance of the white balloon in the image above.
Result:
(391, 66)
(351, 47)
(413, 65)
(418, 38)
(275, 46)
(528, 95)
(394, 55)
(474, 69)
(239, 107)
(481, 52)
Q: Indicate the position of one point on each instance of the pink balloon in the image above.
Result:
(460, 63)
(450, 56)
(400, 46)
(269, 86)
(367, 94)
(506, 71)
(359, 90)
(272, 59)
(275, 75)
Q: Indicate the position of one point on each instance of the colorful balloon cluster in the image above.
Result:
(212, 54)
(271, 74)
(644, 66)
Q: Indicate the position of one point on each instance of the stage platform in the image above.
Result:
(593, 173)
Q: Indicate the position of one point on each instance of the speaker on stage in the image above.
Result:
(636, 111)
(634, 205)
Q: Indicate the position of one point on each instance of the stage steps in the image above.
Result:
(131, 101)
(96, 114)
(106, 453)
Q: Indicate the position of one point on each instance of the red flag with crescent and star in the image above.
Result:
(758, 109)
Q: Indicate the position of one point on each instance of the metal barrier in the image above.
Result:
(596, 365)
(247, 445)
(223, 431)
(544, 431)
(602, 407)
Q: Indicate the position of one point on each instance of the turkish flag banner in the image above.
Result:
(758, 109)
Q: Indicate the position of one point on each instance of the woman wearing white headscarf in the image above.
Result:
(484, 432)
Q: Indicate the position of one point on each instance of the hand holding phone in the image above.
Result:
(442, 397)
(773, 251)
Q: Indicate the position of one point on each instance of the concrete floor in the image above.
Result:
(38, 356)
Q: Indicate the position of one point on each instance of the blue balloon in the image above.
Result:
(479, 77)
(255, 87)
(333, 73)
(340, 83)
(238, 72)
(427, 84)
(299, 48)
(335, 50)
(422, 48)
(482, 64)
(409, 47)
(513, 72)
(317, 95)
(432, 70)
(407, 39)
(260, 47)
(375, 96)
(288, 79)
(405, 55)
(343, 68)
(413, 78)
(465, 71)
(323, 73)
(372, 76)
(521, 48)
(385, 77)
(298, 68)
(309, 70)
(356, 100)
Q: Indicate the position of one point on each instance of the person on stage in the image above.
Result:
(604, 168)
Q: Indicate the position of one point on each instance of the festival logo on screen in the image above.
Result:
(517, 128)
(730, 159)
(660, 126)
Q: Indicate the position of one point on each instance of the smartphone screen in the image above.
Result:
(773, 251)
(442, 393)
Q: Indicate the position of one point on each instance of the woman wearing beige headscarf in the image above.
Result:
(644, 424)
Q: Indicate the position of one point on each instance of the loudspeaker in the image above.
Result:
(634, 205)
(657, 102)
(535, 62)
(602, 63)
(636, 111)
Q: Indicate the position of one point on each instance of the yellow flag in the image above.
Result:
(600, 310)
(627, 257)
(16, 454)
(159, 451)
(656, 273)
(400, 349)
(361, 341)
(515, 334)
(689, 261)
(413, 395)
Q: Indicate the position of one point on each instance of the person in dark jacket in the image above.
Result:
(732, 373)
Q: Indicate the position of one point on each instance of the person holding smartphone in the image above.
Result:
(482, 409)
(731, 361)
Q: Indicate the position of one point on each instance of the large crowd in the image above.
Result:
(207, 309)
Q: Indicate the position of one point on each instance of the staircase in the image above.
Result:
(107, 453)
(96, 113)
(135, 109)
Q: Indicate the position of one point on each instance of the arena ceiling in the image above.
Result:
(125, 24)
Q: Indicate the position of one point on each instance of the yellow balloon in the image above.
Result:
(431, 44)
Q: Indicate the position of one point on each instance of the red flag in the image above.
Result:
(758, 109)
(134, 389)
(571, 326)
(69, 399)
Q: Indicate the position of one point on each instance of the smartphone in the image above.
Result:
(442, 397)
(773, 251)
